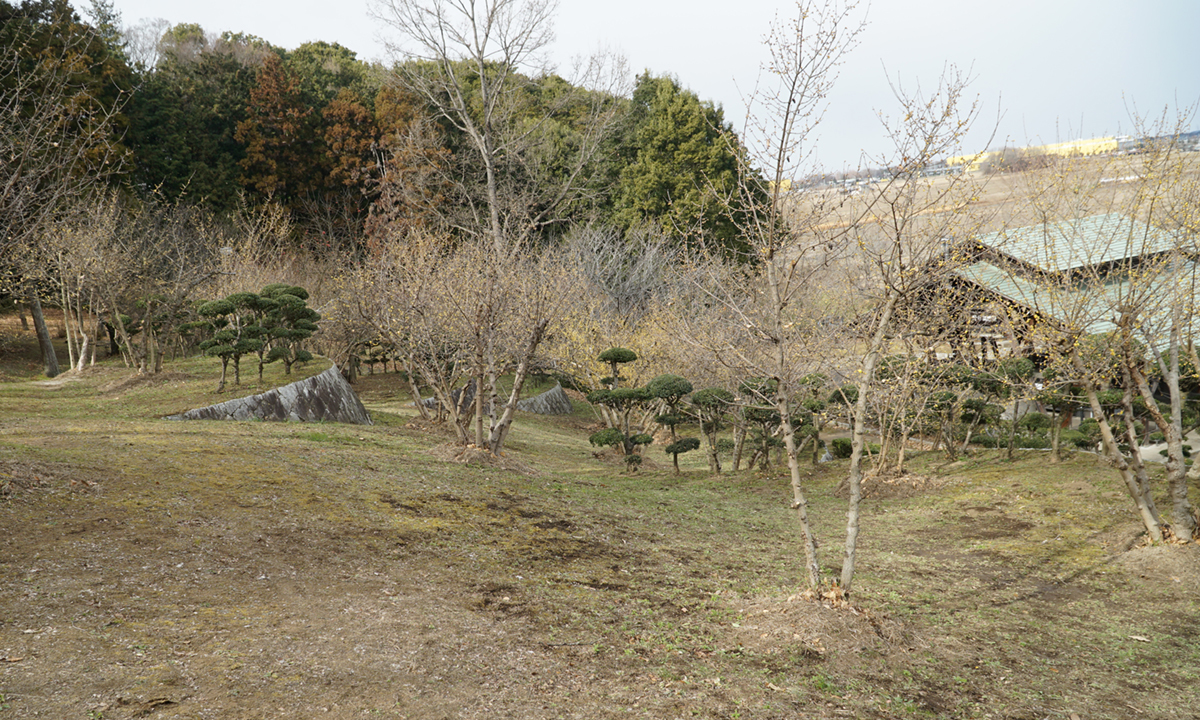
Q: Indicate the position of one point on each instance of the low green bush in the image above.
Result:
(1035, 421)
(1076, 438)
(1033, 442)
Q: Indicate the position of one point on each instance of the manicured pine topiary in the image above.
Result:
(679, 447)
(621, 401)
(671, 389)
(760, 414)
(233, 334)
(250, 309)
(710, 406)
(289, 323)
(615, 356)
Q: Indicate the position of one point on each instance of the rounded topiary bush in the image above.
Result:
(1074, 437)
(984, 441)
(682, 445)
(1035, 421)
(712, 398)
(618, 355)
(841, 448)
(669, 387)
(607, 437)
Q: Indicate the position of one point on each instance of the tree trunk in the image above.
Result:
(479, 385)
(413, 388)
(1115, 458)
(156, 354)
(114, 348)
(67, 325)
(739, 442)
(1183, 522)
(45, 344)
(84, 346)
(500, 430)
(799, 501)
(1012, 428)
(858, 442)
(714, 459)
(127, 354)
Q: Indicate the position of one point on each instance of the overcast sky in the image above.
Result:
(1051, 70)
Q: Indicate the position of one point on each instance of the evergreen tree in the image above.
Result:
(680, 167)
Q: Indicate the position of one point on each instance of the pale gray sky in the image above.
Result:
(1053, 70)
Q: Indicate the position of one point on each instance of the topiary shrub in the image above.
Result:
(615, 356)
(1033, 442)
(1035, 421)
(1090, 427)
(841, 448)
(679, 447)
(710, 406)
(1074, 437)
(671, 389)
(985, 441)
(607, 437)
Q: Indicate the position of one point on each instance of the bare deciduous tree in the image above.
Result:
(464, 59)
(57, 146)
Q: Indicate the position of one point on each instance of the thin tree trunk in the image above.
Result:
(902, 453)
(413, 388)
(45, 344)
(858, 442)
(1115, 458)
(500, 431)
(739, 442)
(156, 351)
(1182, 519)
(714, 460)
(1012, 429)
(479, 385)
(84, 346)
(127, 354)
(799, 501)
(67, 325)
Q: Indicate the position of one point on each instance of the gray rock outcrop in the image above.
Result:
(552, 402)
(322, 398)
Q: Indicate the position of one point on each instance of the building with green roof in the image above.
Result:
(1082, 276)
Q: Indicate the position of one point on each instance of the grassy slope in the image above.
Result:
(988, 588)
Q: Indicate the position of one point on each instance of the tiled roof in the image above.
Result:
(1083, 242)
(1095, 307)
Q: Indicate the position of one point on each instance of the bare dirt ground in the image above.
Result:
(253, 570)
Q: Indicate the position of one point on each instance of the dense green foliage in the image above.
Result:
(228, 121)
(681, 167)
